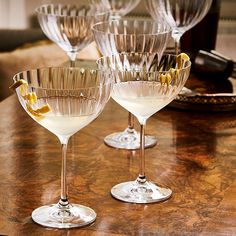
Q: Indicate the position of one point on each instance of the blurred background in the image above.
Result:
(24, 46)
(19, 14)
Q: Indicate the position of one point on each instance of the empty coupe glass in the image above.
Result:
(63, 100)
(118, 8)
(130, 36)
(143, 86)
(181, 15)
(69, 26)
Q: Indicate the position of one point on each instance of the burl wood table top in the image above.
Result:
(195, 156)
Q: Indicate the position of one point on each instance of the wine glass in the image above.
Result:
(181, 15)
(118, 8)
(63, 100)
(118, 36)
(69, 26)
(143, 86)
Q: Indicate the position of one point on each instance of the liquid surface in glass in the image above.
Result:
(142, 98)
(67, 115)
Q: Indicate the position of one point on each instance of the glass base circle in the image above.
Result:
(70, 216)
(135, 192)
(128, 140)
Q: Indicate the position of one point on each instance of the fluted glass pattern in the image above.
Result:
(69, 26)
(63, 100)
(181, 15)
(116, 7)
(131, 36)
(143, 86)
(75, 97)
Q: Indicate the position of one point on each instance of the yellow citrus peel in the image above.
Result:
(181, 59)
(162, 78)
(38, 113)
(23, 86)
(174, 72)
(165, 79)
(32, 111)
(44, 109)
(168, 79)
(31, 99)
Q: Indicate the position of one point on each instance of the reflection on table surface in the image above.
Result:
(195, 155)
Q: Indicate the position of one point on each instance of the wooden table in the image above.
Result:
(195, 156)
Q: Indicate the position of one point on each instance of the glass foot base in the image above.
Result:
(135, 192)
(70, 216)
(126, 140)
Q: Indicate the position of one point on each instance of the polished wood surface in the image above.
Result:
(195, 156)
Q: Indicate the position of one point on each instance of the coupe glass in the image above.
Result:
(181, 15)
(63, 100)
(130, 36)
(143, 87)
(69, 26)
(118, 8)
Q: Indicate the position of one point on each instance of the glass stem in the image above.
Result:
(72, 56)
(130, 123)
(63, 200)
(141, 177)
(177, 46)
(72, 63)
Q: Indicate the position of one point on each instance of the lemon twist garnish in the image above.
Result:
(38, 113)
(31, 97)
(23, 86)
(168, 79)
(162, 78)
(165, 79)
(44, 109)
(32, 111)
(174, 73)
(181, 59)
